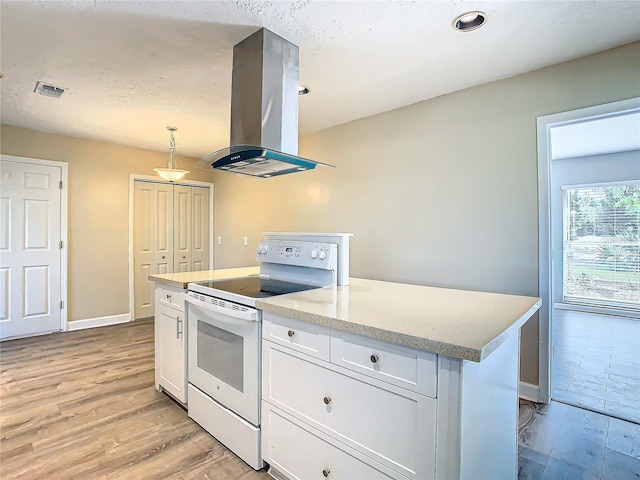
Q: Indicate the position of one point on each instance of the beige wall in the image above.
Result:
(98, 213)
(443, 192)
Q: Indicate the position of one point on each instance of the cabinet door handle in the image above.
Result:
(326, 400)
(168, 297)
(374, 358)
(178, 324)
(291, 333)
(326, 472)
(163, 257)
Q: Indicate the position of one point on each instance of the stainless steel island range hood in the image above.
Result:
(264, 110)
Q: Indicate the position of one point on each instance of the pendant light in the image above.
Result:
(172, 172)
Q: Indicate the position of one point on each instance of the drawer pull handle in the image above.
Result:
(326, 472)
(374, 358)
(327, 400)
(291, 333)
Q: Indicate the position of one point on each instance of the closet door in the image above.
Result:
(170, 234)
(152, 242)
(199, 228)
(191, 228)
(182, 234)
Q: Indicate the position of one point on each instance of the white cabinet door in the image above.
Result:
(304, 453)
(30, 259)
(394, 426)
(170, 351)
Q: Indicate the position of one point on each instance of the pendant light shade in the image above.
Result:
(172, 172)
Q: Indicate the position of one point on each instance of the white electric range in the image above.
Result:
(224, 336)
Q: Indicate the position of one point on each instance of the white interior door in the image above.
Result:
(199, 228)
(170, 234)
(30, 249)
(182, 235)
(152, 242)
(191, 228)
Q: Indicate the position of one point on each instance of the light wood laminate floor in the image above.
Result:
(82, 405)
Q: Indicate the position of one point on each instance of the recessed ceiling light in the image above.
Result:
(302, 90)
(469, 21)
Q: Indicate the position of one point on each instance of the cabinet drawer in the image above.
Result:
(170, 296)
(300, 336)
(406, 367)
(297, 451)
(392, 425)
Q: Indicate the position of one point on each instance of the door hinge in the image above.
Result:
(60, 184)
(61, 304)
(61, 244)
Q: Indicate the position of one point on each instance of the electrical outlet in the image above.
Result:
(219, 239)
(246, 241)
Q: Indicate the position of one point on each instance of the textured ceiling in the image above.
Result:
(132, 68)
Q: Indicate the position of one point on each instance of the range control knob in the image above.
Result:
(323, 255)
(259, 250)
(314, 254)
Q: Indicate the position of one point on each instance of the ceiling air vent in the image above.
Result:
(48, 90)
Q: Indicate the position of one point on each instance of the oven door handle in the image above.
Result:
(250, 315)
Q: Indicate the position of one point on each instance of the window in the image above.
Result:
(601, 245)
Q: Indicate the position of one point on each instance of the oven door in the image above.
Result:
(224, 356)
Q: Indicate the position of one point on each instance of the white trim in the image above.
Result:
(64, 177)
(448, 431)
(99, 322)
(545, 252)
(154, 179)
(598, 310)
(529, 391)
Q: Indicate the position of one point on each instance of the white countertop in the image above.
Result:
(458, 323)
(181, 279)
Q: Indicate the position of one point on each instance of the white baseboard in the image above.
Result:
(530, 392)
(98, 321)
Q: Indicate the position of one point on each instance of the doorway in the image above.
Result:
(589, 199)
(33, 262)
(171, 226)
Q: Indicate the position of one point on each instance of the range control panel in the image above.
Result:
(298, 253)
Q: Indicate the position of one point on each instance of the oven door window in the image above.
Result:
(221, 354)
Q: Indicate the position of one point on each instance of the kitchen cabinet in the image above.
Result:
(345, 406)
(361, 426)
(170, 342)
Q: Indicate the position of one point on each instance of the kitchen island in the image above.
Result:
(387, 380)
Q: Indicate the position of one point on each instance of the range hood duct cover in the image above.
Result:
(264, 110)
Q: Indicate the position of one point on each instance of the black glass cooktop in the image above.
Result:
(256, 287)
